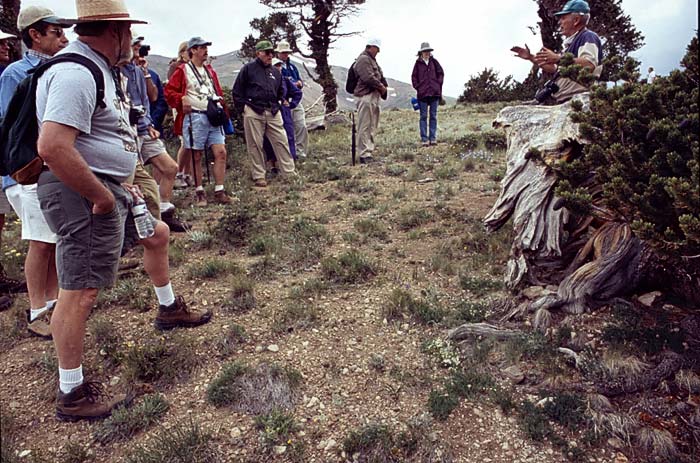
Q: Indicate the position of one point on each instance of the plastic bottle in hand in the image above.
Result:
(142, 219)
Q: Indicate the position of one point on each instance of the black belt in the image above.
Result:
(198, 111)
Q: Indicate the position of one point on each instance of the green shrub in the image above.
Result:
(182, 443)
(441, 404)
(125, 423)
(349, 268)
(161, 360)
(494, 140)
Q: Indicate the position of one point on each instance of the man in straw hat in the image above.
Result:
(42, 34)
(90, 150)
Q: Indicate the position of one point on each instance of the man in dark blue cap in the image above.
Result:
(584, 44)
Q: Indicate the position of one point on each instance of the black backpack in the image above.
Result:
(351, 83)
(19, 129)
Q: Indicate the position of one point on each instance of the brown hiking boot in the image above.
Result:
(221, 197)
(200, 198)
(178, 315)
(41, 325)
(260, 183)
(10, 285)
(89, 401)
(171, 220)
(6, 302)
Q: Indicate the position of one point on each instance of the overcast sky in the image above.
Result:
(467, 35)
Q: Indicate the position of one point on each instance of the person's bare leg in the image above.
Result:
(184, 160)
(164, 171)
(36, 272)
(155, 255)
(219, 163)
(68, 325)
(198, 166)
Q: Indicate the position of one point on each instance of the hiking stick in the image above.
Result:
(194, 166)
(354, 143)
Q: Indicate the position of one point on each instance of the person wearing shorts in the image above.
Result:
(89, 151)
(141, 91)
(189, 90)
(42, 33)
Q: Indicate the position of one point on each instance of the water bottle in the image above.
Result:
(415, 104)
(142, 219)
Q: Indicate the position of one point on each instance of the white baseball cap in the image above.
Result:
(33, 14)
(5, 35)
(374, 42)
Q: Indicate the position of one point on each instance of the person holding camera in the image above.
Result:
(141, 90)
(258, 93)
(195, 92)
(583, 43)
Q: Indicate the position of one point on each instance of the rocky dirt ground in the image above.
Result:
(332, 295)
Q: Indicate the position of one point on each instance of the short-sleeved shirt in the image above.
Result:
(66, 94)
(586, 44)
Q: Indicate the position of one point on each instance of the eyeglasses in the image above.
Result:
(58, 31)
(269, 52)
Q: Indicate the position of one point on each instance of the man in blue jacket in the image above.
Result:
(290, 71)
(42, 34)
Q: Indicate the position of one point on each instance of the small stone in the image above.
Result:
(620, 458)
(312, 403)
(280, 449)
(273, 348)
(616, 443)
(648, 299)
(24, 453)
(236, 433)
(505, 446)
(514, 373)
(114, 381)
(258, 349)
(330, 445)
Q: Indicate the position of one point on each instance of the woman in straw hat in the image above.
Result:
(427, 79)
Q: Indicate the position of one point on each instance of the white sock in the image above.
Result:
(180, 174)
(218, 188)
(199, 188)
(166, 206)
(70, 379)
(34, 313)
(51, 304)
(165, 295)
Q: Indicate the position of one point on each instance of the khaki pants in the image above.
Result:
(368, 111)
(301, 134)
(256, 126)
(567, 89)
(148, 187)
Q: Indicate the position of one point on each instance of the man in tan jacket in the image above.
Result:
(371, 86)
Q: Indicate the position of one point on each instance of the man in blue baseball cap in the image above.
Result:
(584, 44)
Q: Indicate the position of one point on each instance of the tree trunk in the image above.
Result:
(319, 29)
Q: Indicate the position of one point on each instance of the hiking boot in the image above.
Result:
(221, 197)
(433, 143)
(180, 182)
(89, 401)
(178, 315)
(200, 198)
(175, 225)
(5, 302)
(41, 325)
(10, 285)
(260, 183)
(425, 144)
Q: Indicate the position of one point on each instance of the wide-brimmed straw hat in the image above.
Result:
(425, 46)
(103, 10)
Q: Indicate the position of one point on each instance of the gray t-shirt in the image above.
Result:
(66, 95)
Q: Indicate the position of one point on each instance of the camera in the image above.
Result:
(549, 89)
(215, 98)
(143, 51)
(136, 113)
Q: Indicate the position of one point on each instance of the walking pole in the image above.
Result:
(354, 143)
(194, 166)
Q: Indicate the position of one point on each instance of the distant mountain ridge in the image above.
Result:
(228, 65)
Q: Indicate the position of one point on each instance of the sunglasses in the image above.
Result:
(58, 31)
(269, 52)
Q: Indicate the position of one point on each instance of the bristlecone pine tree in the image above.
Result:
(644, 159)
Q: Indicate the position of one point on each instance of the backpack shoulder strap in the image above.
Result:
(82, 60)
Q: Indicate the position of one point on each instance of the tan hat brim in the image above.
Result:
(117, 19)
